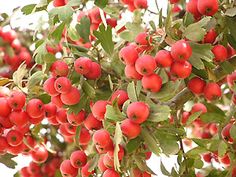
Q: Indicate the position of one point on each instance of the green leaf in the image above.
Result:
(132, 92)
(160, 19)
(19, 74)
(222, 149)
(193, 117)
(150, 141)
(231, 40)
(78, 107)
(164, 170)
(58, 174)
(227, 67)
(198, 163)
(133, 144)
(104, 37)
(113, 113)
(132, 30)
(231, 23)
(101, 3)
(117, 140)
(40, 52)
(6, 159)
(213, 108)
(195, 152)
(28, 9)
(17, 174)
(83, 28)
(159, 113)
(162, 73)
(231, 12)
(233, 131)
(93, 162)
(195, 32)
(88, 89)
(64, 13)
(77, 136)
(35, 79)
(210, 117)
(57, 33)
(74, 3)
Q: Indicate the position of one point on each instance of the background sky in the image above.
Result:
(18, 20)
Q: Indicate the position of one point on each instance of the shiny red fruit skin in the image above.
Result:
(92, 123)
(50, 110)
(84, 137)
(121, 96)
(62, 85)
(210, 37)
(185, 117)
(83, 65)
(61, 116)
(85, 171)
(131, 73)
(181, 51)
(101, 165)
(142, 4)
(48, 86)
(225, 133)
(181, 69)
(220, 53)
(110, 173)
(197, 107)
(152, 83)
(57, 101)
(128, 55)
(5, 109)
(138, 112)
(208, 8)
(212, 91)
(191, 7)
(95, 72)
(174, 1)
(163, 58)
(94, 15)
(72, 97)
(99, 109)
(14, 138)
(35, 108)
(67, 169)
(58, 3)
(101, 137)
(108, 162)
(207, 157)
(16, 100)
(19, 118)
(196, 85)
(145, 65)
(4, 144)
(76, 119)
(39, 154)
(59, 68)
(225, 160)
(143, 39)
(78, 159)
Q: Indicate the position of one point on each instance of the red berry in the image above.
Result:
(58, 3)
(185, 117)
(61, 116)
(210, 36)
(220, 53)
(142, 38)
(78, 159)
(14, 138)
(35, 108)
(138, 112)
(121, 153)
(225, 160)
(152, 83)
(16, 100)
(191, 7)
(48, 87)
(163, 58)
(197, 107)
(85, 171)
(19, 118)
(128, 54)
(92, 123)
(94, 15)
(50, 110)
(95, 71)
(121, 96)
(108, 162)
(101, 138)
(5, 109)
(57, 101)
(196, 85)
(59, 68)
(39, 154)
(76, 119)
(67, 169)
(212, 91)
(181, 69)
(130, 129)
(181, 51)
(110, 173)
(72, 97)
(99, 109)
(101, 165)
(4, 144)
(174, 1)
(84, 137)
(131, 73)
(225, 133)
(112, 22)
(83, 65)
(145, 65)
(208, 8)
(63, 85)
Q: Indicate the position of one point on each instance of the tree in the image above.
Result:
(121, 92)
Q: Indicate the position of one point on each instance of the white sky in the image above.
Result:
(23, 22)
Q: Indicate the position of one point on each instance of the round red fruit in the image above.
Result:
(78, 159)
(131, 73)
(101, 137)
(14, 138)
(72, 97)
(208, 8)
(67, 169)
(62, 85)
(121, 96)
(196, 85)
(111, 173)
(220, 53)
(95, 71)
(59, 68)
(35, 108)
(181, 51)
(181, 69)
(99, 109)
(163, 58)
(5, 109)
(129, 55)
(138, 112)
(83, 65)
(152, 83)
(145, 65)
(212, 91)
(16, 100)
(48, 86)
(39, 154)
